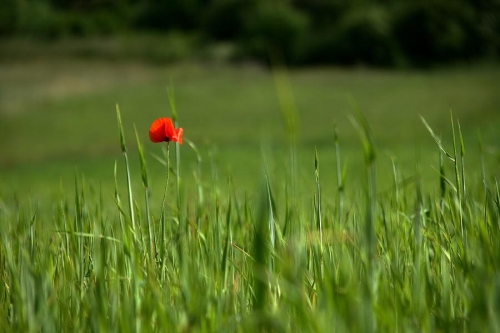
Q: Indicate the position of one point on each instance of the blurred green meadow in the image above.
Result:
(58, 117)
(355, 190)
(357, 221)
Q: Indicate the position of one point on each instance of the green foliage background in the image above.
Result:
(375, 32)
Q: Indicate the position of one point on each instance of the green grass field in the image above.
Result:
(58, 115)
(257, 233)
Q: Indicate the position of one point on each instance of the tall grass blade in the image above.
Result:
(361, 124)
(163, 218)
(319, 222)
(199, 183)
(261, 254)
(127, 170)
(136, 279)
(173, 107)
(442, 182)
(145, 183)
(340, 176)
(458, 182)
(290, 119)
(271, 217)
(227, 241)
(437, 139)
(462, 178)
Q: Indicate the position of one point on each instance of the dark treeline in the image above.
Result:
(374, 32)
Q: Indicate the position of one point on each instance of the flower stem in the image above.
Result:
(163, 233)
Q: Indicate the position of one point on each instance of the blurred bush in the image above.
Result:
(57, 18)
(361, 36)
(27, 17)
(224, 19)
(273, 29)
(170, 14)
(372, 32)
(438, 31)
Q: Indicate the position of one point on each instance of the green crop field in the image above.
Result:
(59, 115)
(305, 200)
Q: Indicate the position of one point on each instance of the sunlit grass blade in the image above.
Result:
(340, 176)
(199, 183)
(145, 183)
(366, 137)
(227, 241)
(175, 117)
(458, 182)
(437, 139)
(442, 181)
(127, 170)
(290, 117)
(364, 132)
(78, 227)
(163, 218)
(261, 254)
(271, 219)
(319, 222)
(135, 272)
(462, 179)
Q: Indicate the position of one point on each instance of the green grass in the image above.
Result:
(56, 115)
(260, 234)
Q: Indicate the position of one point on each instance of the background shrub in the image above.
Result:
(438, 31)
(364, 36)
(273, 27)
(223, 20)
(35, 18)
(372, 32)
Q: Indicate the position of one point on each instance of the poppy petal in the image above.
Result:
(169, 129)
(162, 130)
(178, 135)
(157, 130)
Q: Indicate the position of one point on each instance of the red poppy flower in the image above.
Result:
(162, 130)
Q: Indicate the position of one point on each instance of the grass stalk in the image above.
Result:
(175, 117)
(145, 183)
(340, 177)
(127, 170)
(290, 119)
(360, 123)
(458, 182)
(442, 183)
(163, 217)
(135, 270)
(319, 222)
